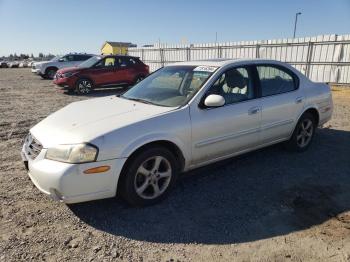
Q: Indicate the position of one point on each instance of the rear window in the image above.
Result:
(275, 80)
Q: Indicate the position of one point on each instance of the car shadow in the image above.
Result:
(267, 193)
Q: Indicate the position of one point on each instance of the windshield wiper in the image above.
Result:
(138, 100)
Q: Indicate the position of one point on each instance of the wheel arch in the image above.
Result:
(166, 143)
(50, 67)
(170, 145)
(312, 110)
(85, 77)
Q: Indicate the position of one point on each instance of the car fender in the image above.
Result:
(143, 140)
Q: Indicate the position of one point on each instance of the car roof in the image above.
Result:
(223, 62)
(103, 56)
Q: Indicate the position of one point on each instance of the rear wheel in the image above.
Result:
(83, 86)
(138, 79)
(303, 133)
(148, 176)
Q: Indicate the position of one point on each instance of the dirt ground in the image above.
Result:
(270, 205)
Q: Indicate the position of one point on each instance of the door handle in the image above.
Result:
(253, 110)
(299, 99)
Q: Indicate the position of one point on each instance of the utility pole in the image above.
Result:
(295, 23)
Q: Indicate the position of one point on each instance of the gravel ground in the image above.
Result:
(269, 205)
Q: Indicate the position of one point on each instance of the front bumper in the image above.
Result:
(36, 71)
(67, 183)
(66, 83)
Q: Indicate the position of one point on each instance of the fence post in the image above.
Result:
(142, 56)
(219, 52)
(161, 53)
(188, 53)
(309, 57)
(257, 54)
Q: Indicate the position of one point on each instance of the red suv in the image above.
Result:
(102, 71)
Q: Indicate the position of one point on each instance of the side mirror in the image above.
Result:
(214, 101)
(60, 60)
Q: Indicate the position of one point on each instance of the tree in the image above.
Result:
(41, 55)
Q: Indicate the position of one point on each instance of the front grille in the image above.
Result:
(32, 146)
(33, 66)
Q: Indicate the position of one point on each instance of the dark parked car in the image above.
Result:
(4, 64)
(102, 71)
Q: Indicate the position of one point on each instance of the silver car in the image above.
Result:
(180, 117)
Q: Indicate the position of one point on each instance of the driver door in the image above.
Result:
(218, 132)
(104, 72)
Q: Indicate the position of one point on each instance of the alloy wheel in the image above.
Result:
(153, 177)
(305, 132)
(139, 79)
(51, 74)
(84, 87)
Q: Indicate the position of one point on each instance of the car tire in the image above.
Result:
(148, 176)
(303, 133)
(50, 73)
(83, 86)
(138, 79)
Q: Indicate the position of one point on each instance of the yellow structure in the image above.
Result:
(115, 48)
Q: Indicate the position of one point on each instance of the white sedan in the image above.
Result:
(181, 117)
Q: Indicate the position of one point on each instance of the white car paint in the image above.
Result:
(118, 127)
(57, 63)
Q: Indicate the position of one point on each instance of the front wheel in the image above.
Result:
(83, 87)
(148, 176)
(303, 133)
(50, 73)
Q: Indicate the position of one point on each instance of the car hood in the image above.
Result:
(88, 120)
(40, 63)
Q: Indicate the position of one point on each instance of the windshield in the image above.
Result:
(90, 62)
(171, 86)
(55, 58)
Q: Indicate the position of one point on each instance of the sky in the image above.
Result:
(58, 27)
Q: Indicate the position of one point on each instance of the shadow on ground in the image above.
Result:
(259, 195)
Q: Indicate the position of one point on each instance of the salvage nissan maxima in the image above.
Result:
(180, 117)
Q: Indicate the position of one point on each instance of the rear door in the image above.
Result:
(127, 69)
(282, 101)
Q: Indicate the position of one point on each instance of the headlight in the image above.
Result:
(68, 74)
(78, 153)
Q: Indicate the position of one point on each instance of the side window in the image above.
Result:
(234, 85)
(275, 81)
(131, 61)
(107, 62)
(122, 61)
(71, 58)
(81, 57)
